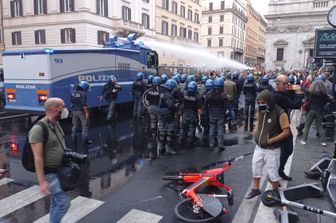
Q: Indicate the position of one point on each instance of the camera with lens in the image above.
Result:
(75, 157)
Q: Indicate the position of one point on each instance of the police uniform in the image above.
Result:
(250, 92)
(139, 87)
(79, 120)
(110, 93)
(153, 97)
(192, 103)
(205, 120)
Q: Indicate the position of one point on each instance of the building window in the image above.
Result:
(102, 37)
(220, 42)
(222, 4)
(16, 8)
(209, 31)
(190, 14)
(174, 7)
(40, 7)
(182, 11)
(40, 37)
(189, 34)
(126, 13)
(209, 42)
(16, 38)
(210, 6)
(145, 20)
(279, 54)
(221, 30)
(165, 4)
(102, 7)
(67, 5)
(210, 19)
(1, 38)
(68, 35)
(197, 18)
(174, 30)
(221, 18)
(145, 0)
(196, 37)
(183, 32)
(164, 28)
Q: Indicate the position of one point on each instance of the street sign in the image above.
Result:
(325, 43)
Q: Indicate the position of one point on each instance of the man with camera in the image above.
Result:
(48, 157)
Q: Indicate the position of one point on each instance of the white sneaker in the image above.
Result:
(324, 144)
(303, 142)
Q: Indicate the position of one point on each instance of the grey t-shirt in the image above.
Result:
(53, 150)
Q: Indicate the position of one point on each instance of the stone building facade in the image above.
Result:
(290, 32)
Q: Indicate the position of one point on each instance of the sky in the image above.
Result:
(260, 5)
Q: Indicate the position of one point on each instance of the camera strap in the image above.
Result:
(53, 129)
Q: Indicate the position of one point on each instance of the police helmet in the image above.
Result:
(183, 78)
(291, 79)
(204, 79)
(191, 78)
(208, 84)
(84, 85)
(164, 78)
(250, 77)
(140, 76)
(156, 81)
(150, 78)
(218, 83)
(235, 75)
(170, 85)
(176, 78)
(265, 79)
(112, 78)
(192, 86)
(320, 77)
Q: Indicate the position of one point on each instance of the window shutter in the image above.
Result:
(12, 9)
(98, 37)
(97, 6)
(35, 7)
(45, 6)
(36, 37)
(19, 38)
(72, 6)
(107, 36)
(73, 35)
(43, 39)
(21, 8)
(106, 8)
(13, 38)
(62, 36)
(61, 5)
(129, 15)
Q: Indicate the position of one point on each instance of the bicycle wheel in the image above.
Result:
(172, 177)
(184, 211)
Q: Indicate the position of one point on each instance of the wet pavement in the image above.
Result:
(120, 171)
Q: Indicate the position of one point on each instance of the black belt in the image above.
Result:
(50, 170)
(269, 147)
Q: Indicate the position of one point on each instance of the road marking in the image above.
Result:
(137, 216)
(5, 181)
(80, 207)
(19, 200)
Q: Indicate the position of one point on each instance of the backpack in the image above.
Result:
(27, 158)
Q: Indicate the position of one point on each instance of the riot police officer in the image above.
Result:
(192, 108)
(167, 108)
(138, 89)
(110, 93)
(250, 92)
(239, 88)
(264, 84)
(80, 112)
(164, 78)
(152, 97)
(205, 114)
(183, 79)
(216, 103)
(149, 83)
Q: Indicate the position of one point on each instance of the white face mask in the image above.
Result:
(64, 113)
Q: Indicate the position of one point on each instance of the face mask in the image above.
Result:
(64, 114)
(263, 107)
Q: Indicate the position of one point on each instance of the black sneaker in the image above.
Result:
(221, 149)
(253, 193)
(285, 177)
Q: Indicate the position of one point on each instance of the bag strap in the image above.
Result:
(53, 130)
(45, 132)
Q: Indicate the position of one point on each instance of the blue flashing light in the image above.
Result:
(48, 51)
(132, 37)
(114, 38)
(141, 43)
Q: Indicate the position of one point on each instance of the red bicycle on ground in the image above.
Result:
(202, 207)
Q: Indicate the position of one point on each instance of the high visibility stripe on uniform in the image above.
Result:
(80, 207)
(19, 200)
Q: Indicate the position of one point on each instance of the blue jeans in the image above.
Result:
(59, 200)
(79, 121)
(111, 108)
(216, 125)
